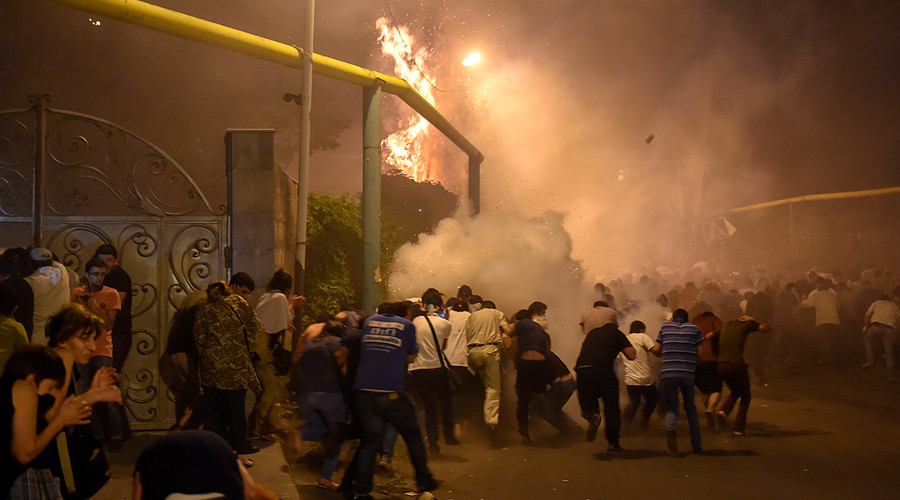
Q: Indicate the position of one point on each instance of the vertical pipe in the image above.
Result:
(371, 196)
(791, 229)
(303, 172)
(39, 105)
(474, 185)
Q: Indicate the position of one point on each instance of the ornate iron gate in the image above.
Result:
(82, 182)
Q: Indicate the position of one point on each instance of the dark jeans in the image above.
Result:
(600, 383)
(229, 403)
(324, 414)
(108, 420)
(671, 387)
(635, 394)
(121, 342)
(549, 404)
(432, 388)
(736, 376)
(376, 410)
(532, 377)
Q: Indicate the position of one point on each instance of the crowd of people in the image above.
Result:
(430, 370)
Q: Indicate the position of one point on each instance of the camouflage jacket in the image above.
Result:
(219, 334)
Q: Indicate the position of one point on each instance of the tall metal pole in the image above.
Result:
(371, 197)
(791, 229)
(39, 104)
(303, 173)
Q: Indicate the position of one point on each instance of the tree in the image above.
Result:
(416, 206)
(334, 239)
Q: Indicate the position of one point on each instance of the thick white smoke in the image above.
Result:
(505, 257)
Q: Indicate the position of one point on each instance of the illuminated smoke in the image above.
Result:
(505, 257)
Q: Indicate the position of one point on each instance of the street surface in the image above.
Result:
(829, 433)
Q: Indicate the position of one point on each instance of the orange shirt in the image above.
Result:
(108, 299)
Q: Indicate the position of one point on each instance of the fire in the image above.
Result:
(403, 150)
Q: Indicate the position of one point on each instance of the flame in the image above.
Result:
(403, 149)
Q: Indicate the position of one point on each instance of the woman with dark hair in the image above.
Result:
(32, 373)
(276, 313)
(72, 333)
(224, 330)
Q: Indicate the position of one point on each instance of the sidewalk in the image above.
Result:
(270, 469)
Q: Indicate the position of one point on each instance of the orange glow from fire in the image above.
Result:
(403, 149)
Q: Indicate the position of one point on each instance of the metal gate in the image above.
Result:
(81, 182)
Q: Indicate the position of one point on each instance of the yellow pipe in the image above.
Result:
(192, 28)
(816, 197)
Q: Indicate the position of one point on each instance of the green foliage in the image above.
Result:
(334, 239)
(333, 255)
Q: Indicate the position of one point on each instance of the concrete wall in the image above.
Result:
(262, 205)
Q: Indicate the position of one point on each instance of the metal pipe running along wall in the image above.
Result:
(818, 197)
(192, 28)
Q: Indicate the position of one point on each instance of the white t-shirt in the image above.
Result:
(428, 354)
(826, 304)
(457, 352)
(638, 371)
(274, 311)
(51, 291)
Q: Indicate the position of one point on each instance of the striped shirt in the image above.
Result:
(678, 342)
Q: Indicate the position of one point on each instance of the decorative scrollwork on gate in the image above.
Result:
(92, 161)
(73, 243)
(16, 162)
(190, 260)
(145, 294)
(140, 395)
(102, 184)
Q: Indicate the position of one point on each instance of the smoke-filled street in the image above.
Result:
(827, 434)
(410, 206)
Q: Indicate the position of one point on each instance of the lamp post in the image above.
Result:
(303, 169)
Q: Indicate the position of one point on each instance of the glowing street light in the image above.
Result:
(472, 59)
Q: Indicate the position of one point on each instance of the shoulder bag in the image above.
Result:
(454, 381)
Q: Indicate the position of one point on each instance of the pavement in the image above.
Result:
(269, 469)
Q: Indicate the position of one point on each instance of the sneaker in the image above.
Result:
(615, 448)
(593, 425)
(672, 442)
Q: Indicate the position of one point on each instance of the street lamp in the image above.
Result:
(471, 59)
